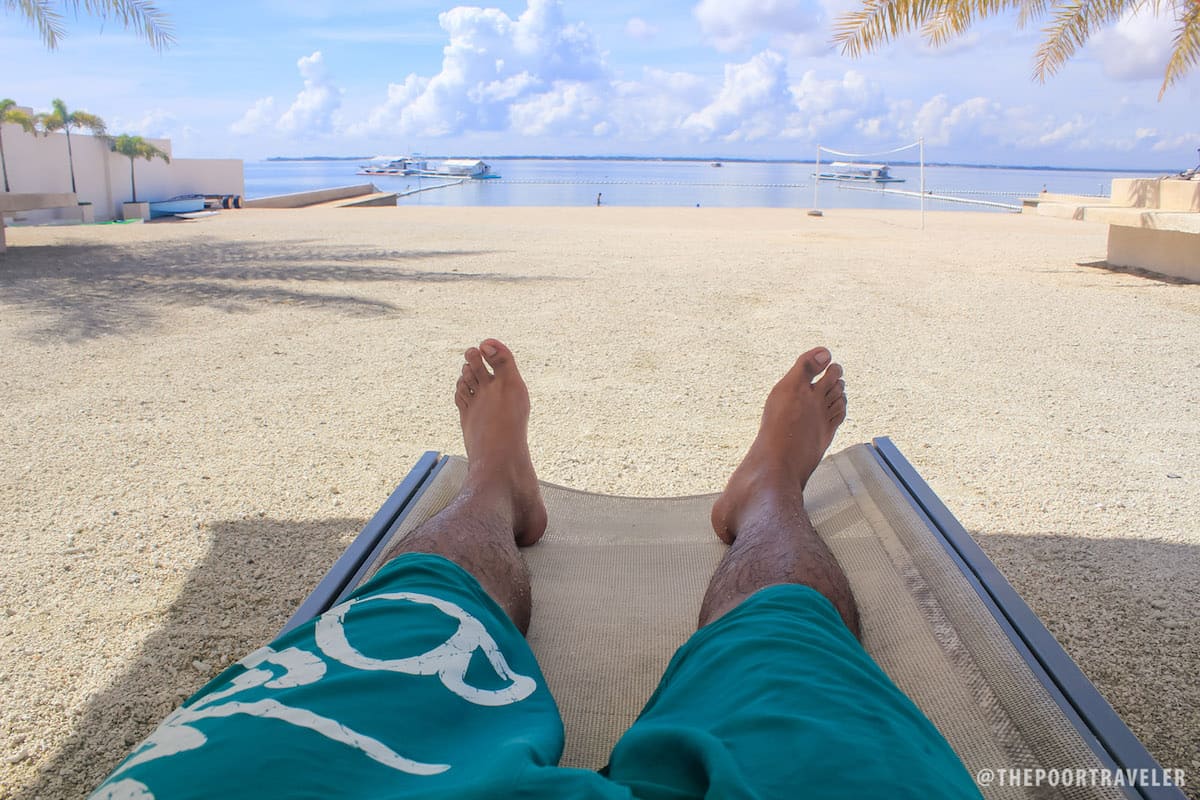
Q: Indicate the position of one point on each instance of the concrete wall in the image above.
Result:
(1171, 253)
(1180, 196)
(39, 164)
(1167, 194)
(301, 199)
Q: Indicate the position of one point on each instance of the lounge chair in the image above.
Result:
(618, 583)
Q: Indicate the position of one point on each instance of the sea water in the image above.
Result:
(739, 184)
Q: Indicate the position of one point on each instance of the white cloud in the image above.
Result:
(753, 103)
(734, 24)
(495, 65)
(942, 123)
(568, 108)
(849, 108)
(1072, 131)
(154, 124)
(638, 28)
(257, 119)
(657, 105)
(1137, 46)
(1185, 144)
(312, 111)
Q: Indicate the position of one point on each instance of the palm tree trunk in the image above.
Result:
(70, 158)
(132, 182)
(3, 164)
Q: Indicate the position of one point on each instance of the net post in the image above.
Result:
(816, 176)
(921, 141)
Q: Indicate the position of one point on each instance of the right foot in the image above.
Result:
(493, 407)
(798, 423)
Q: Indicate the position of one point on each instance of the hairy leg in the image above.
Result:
(499, 506)
(761, 513)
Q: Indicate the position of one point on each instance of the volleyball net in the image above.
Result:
(857, 160)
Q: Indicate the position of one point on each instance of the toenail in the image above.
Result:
(470, 390)
(822, 357)
(489, 350)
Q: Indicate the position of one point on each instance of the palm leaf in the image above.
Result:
(20, 118)
(1073, 24)
(1186, 52)
(43, 16)
(142, 16)
(82, 119)
(879, 21)
(955, 18)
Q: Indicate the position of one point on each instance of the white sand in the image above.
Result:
(197, 418)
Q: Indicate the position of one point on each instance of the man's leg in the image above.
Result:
(773, 696)
(420, 685)
(499, 506)
(761, 512)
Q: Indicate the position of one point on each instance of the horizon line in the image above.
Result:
(734, 160)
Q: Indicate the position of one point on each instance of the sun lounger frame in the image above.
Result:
(1080, 701)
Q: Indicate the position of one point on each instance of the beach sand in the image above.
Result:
(198, 417)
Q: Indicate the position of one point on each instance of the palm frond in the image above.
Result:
(139, 15)
(1073, 23)
(955, 18)
(879, 21)
(1031, 10)
(1186, 52)
(43, 15)
(82, 119)
(136, 147)
(26, 121)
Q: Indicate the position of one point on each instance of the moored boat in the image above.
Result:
(856, 171)
(182, 204)
(394, 165)
(450, 168)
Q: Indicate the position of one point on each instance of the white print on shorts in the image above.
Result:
(449, 661)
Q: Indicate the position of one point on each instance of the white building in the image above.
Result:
(38, 165)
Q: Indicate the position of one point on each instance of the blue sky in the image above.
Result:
(721, 78)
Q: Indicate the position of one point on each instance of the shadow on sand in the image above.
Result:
(79, 292)
(253, 577)
(1156, 277)
(1125, 610)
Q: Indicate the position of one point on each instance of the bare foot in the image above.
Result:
(798, 423)
(493, 407)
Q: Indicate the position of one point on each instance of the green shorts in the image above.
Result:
(419, 686)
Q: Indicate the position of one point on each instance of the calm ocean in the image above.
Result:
(551, 182)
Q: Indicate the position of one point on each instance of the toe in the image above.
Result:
(469, 380)
(475, 364)
(809, 365)
(836, 413)
(498, 356)
(461, 394)
(837, 390)
(829, 380)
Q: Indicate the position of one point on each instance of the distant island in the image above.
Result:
(320, 158)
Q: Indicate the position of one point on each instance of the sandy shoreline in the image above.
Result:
(199, 416)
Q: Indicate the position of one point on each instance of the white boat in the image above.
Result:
(858, 172)
(394, 165)
(464, 168)
(183, 204)
(407, 165)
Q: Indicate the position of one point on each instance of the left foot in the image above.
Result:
(493, 407)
